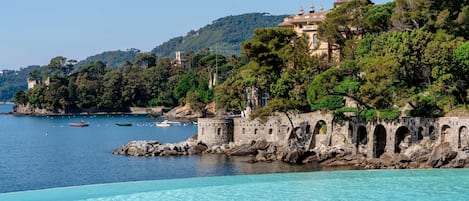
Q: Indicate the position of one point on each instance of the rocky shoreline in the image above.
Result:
(416, 156)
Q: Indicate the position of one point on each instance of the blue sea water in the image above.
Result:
(42, 158)
(44, 152)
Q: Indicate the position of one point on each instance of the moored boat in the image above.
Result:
(79, 124)
(123, 124)
(163, 124)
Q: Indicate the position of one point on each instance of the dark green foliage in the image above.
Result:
(425, 107)
(373, 115)
(328, 102)
(224, 35)
(13, 81)
(113, 59)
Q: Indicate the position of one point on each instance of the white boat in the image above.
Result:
(163, 124)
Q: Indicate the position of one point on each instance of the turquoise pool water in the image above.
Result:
(448, 184)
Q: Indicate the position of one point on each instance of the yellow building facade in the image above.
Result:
(308, 23)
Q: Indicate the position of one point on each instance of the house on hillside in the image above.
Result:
(308, 23)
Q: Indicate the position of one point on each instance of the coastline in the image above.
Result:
(407, 142)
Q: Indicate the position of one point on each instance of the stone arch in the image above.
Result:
(431, 133)
(444, 133)
(219, 130)
(379, 146)
(362, 136)
(403, 139)
(463, 137)
(420, 134)
(320, 128)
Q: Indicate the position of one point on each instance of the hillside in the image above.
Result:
(111, 58)
(12, 81)
(225, 33)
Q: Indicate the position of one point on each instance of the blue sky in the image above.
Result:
(34, 31)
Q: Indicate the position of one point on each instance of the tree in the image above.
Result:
(345, 24)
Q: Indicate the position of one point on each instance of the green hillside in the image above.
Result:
(112, 58)
(224, 34)
(12, 81)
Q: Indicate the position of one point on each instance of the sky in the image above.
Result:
(34, 31)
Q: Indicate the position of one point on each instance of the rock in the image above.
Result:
(186, 112)
(402, 158)
(261, 155)
(243, 150)
(197, 149)
(293, 154)
(261, 144)
(386, 159)
(441, 155)
(312, 157)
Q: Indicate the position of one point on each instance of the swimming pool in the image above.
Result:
(447, 184)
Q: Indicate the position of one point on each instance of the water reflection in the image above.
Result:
(210, 164)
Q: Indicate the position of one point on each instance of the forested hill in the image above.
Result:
(225, 33)
(12, 81)
(111, 58)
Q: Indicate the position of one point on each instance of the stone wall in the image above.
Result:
(276, 129)
(394, 136)
(215, 131)
(318, 130)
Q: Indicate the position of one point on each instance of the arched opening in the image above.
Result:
(350, 134)
(403, 139)
(244, 131)
(255, 131)
(431, 133)
(420, 134)
(362, 136)
(320, 128)
(462, 137)
(218, 131)
(444, 132)
(270, 131)
(379, 145)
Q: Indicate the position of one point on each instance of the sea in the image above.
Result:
(43, 158)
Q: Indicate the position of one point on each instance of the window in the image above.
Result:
(315, 40)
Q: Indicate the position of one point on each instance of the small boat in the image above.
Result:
(79, 124)
(123, 124)
(163, 124)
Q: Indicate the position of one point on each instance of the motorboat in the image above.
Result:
(79, 124)
(164, 123)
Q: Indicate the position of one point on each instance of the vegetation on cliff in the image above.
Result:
(392, 55)
(403, 53)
